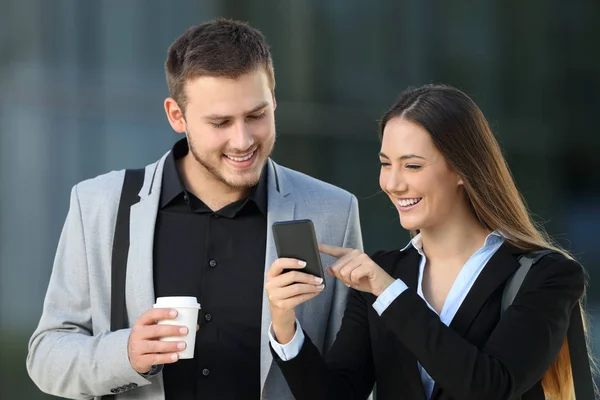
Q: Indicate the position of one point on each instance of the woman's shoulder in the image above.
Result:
(556, 268)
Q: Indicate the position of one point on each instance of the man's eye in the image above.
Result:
(259, 116)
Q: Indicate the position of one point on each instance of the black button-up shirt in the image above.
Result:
(219, 257)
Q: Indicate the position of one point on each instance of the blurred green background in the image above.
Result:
(82, 85)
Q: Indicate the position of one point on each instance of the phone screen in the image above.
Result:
(297, 239)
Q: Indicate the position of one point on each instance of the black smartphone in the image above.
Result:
(297, 239)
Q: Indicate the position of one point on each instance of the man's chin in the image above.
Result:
(243, 180)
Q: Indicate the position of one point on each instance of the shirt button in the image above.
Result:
(212, 263)
(205, 372)
(208, 317)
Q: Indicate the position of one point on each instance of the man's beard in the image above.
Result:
(212, 166)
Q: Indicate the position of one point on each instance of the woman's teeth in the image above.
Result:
(408, 202)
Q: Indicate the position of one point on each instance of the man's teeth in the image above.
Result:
(408, 202)
(240, 159)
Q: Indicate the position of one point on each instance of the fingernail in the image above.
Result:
(183, 330)
(173, 313)
(319, 280)
(181, 345)
(174, 357)
(302, 263)
(320, 287)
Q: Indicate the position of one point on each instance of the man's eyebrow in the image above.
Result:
(255, 109)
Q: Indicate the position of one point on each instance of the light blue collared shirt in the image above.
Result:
(459, 290)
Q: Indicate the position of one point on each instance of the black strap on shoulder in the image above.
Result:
(580, 364)
(515, 281)
(578, 351)
(132, 184)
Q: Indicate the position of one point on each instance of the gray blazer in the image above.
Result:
(73, 354)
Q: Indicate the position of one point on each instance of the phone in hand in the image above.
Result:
(297, 239)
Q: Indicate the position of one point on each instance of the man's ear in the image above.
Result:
(175, 115)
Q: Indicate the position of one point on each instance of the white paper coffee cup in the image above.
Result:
(187, 315)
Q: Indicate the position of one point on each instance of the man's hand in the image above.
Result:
(144, 348)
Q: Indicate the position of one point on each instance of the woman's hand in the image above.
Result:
(286, 291)
(357, 270)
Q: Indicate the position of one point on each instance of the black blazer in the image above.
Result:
(481, 355)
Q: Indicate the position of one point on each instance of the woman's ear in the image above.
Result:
(459, 179)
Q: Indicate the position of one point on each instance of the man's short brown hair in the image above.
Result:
(218, 48)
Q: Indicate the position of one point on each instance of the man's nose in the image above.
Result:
(242, 138)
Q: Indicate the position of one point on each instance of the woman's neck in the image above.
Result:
(455, 240)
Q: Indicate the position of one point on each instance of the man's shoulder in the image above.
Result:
(111, 183)
(303, 182)
(101, 187)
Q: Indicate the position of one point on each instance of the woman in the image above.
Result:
(425, 322)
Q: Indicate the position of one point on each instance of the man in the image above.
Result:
(202, 228)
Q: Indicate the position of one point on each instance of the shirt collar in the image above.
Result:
(172, 184)
(417, 241)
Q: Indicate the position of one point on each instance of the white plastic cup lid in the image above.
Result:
(177, 301)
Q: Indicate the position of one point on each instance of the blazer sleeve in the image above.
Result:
(347, 373)
(352, 239)
(519, 350)
(65, 359)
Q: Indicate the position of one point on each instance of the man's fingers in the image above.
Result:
(284, 263)
(334, 251)
(156, 346)
(157, 331)
(156, 314)
(158, 359)
(144, 363)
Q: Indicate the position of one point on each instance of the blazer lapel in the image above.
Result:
(498, 269)
(407, 270)
(139, 281)
(280, 208)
